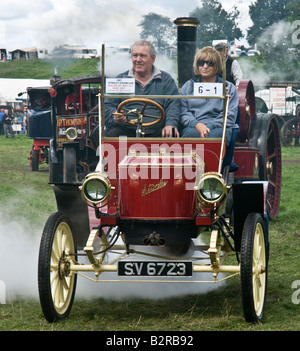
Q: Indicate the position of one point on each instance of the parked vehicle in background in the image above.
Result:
(74, 51)
(38, 123)
(3, 55)
(290, 130)
(75, 137)
(253, 52)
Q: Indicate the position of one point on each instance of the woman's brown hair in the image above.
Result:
(208, 54)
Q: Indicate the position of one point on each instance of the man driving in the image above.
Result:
(149, 80)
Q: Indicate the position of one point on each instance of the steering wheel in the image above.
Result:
(140, 113)
(73, 107)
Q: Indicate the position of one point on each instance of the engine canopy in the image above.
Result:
(158, 186)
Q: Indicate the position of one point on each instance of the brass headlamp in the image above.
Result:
(96, 188)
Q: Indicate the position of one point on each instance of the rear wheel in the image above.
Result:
(288, 131)
(270, 166)
(266, 137)
(34, 160)
(57, 283)
(254, 259)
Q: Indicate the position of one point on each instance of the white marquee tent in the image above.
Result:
(10, 88)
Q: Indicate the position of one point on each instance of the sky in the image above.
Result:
(49, 23)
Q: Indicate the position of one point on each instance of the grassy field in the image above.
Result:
(44, 69)
(27, 200)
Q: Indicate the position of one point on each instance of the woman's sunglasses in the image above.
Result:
(208, 63)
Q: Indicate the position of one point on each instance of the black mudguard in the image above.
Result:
(70, 202)
(248, 197)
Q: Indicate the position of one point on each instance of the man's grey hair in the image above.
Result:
(145, 43)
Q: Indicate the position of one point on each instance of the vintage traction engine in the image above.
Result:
(159, 193)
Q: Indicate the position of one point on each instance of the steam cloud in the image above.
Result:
(19, 249)
(50, 23)
(278, 35)
(18, 259)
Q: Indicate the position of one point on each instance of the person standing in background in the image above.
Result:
(234, 72)
(7, 124)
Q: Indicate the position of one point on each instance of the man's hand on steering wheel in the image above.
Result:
(167, 132)
(119, 117)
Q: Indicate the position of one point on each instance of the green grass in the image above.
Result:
(44, 69)
(27, 198)
(23, 191)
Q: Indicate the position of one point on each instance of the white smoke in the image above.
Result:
(18, 258)
(275, 42)
(19, 250)
(259, 77)
(278, 33)
(50, 23)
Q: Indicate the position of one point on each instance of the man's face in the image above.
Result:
(141, 60)
(221, 52)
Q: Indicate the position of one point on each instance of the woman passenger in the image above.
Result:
(204, 117)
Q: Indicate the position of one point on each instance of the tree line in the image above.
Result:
(217, 23)
(275, 32)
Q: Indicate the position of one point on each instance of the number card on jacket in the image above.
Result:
(208, 89)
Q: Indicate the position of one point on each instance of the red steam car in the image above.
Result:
(116, 198)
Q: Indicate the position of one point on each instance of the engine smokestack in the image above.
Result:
(186, 47)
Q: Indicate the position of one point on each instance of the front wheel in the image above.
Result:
(57, 283)
(254, 259)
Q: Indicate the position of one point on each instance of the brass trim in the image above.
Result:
(187, 21)
(100, 177)
(211, 175)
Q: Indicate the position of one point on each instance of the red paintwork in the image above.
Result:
(127, 196)
(248, 161)
(132, 172)
(131, 177)
(247, 108)
(115, 151)
(203, 220)
(40, 143)
(152, 187)
(38, 147)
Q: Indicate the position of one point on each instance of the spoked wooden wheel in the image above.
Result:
(288, 131)
(56, 282)
(266, 137)
(271, 165)
(254, 260)
(247, 108)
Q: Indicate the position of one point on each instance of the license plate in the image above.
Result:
(155, 268)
